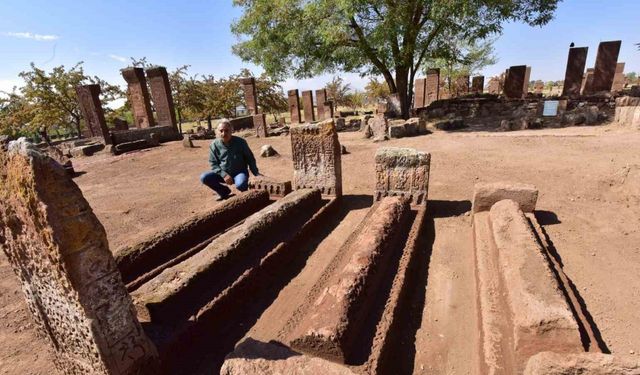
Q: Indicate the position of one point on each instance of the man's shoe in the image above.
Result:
(221, 198)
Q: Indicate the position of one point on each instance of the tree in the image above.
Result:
(371, 37)
(14, 114)
(177, 80)
(52, 96)
(376, 90)
(463, 58)
(337, 91)
(355, 99)
(631, 77)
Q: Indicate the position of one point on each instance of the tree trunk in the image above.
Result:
(179, 119)
(209, 126)
(402, 77)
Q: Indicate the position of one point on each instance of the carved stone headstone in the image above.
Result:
(307, 104)
(515, 82)
(420, 92)
(587, 82)
(260, 124)
(432, 86)
(316, 157)
(618, 79)
(494, 85)
(605, 68)
(321, 103)
(328, 109)
(575, 70)
(525, 83)
(138, 97)
(477, 85)
(91, 107)
(59, 251)
(250, 94)
(162, 97)
(462, 85)
(294, 106)
(402, 172)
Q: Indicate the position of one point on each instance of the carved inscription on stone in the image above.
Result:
(317, 157)
(260, 124)
(307, 104)
(91, 107)
(59, 251)
(162, 98)
(432, 86)
(250, 95)
(402, 172)
(138, 97)
(321, 105)
(420, 91)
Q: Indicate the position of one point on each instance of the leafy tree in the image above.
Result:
(355, 99)
(52, 96)
(337, 91)
(376, 90)
(376, 37)
(14, 114)
(464, 58)
(177, 80)
(631, 77)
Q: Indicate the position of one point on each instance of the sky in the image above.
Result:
(105, 34)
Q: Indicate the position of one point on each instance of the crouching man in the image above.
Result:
(229, 157)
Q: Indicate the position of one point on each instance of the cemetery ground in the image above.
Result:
(589, 184)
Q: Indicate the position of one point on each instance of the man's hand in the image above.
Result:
(228, 180)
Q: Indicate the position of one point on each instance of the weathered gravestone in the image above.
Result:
(494, 85)
(402, 172)
(162, 98)
(294, 106)
(515, 80)
(575, 69)
(462, 85)
(138, 97)
(587, 82)
(432, 86)
(420, 91)
(316, 157)
(91, 107)
(321, 104)
(59, 251)
(260, 124)
(250, 95)
(307, 104)
(605, 68)
(477, 85)
(618, 78)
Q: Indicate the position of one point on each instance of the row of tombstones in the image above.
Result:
(138, 92)
(607, 75)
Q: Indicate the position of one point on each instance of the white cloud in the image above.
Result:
(118, 58)
(38, 37)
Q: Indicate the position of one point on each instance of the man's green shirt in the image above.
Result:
(233, 158)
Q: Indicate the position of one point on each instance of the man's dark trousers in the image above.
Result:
(216, 182)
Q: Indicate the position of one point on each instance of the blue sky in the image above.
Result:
(104, 34)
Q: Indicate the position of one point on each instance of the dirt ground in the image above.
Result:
(589, 182)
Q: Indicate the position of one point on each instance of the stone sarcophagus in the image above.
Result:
(59, 251)
(316, 157)
(402, 172)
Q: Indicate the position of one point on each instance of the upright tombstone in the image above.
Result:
(316, 157)
(605, 69)
(307, 104)
(494, 85)
(91, 108)
(575, 70)
(477, 85)
(294, 106)
(587, 82)
(162, 97)
(402, 172)
(618, 79)
(514, 83)
(321, 103)
(139, 97)
(420, 92)
(462, 85)
(432, 86)
(260, 124)
(328, 109)
(250, 94)
(59, 251)
(525, 84)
